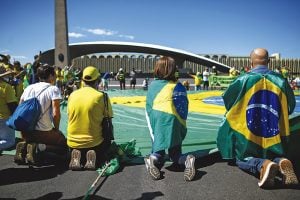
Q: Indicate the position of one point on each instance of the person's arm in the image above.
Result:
(56, 113)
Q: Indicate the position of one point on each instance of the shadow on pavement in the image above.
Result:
(29, 174)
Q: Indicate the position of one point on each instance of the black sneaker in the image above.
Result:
(151, 168)
(75, 160)
(31, 155)
(21, 149)
(189, 172)
(90, 160)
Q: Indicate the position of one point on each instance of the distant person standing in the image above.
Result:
(121, 78)
(132, 78)
(18, 78)
(59, 78)
(104, 81)
(206, 75)
(285, 72)
(197, 80)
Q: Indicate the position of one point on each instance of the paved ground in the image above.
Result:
(215, 179)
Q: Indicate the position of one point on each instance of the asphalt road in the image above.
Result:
(215, 179)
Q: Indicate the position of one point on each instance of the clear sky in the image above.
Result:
(232, 27)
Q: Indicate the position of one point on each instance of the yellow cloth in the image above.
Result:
(59, 75)
(195, 102)
(284, 72)
(7, 95)
(85, 115)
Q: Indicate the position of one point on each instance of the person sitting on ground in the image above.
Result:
(166, 114)
(8, 104)
(46, 137)
(145, 84)
(85, 114)
(256, 130)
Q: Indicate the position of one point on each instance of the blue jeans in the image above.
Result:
(253, 165)
(175, 154)
(7, 136)
(197, 87)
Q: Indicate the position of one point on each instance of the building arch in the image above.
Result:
(180, 56)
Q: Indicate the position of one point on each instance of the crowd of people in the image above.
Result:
(85, 146)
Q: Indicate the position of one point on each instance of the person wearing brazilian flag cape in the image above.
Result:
(257, 132)
(166, 114)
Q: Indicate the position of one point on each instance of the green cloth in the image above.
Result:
(257, 118)
(120, 153)
(167, 109)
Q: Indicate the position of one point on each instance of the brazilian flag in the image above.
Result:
(166, 113)
(257, 118)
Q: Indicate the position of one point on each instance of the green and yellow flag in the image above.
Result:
(166, 113)
(257, 118)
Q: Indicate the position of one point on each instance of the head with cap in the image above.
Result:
(259, 56)
(121, 69)
(90, 75)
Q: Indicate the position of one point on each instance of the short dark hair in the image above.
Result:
(44, 71)
(165, 68)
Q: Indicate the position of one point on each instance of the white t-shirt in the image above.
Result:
(45, 98)
(205, 76)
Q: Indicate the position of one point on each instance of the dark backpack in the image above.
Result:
(26, 115)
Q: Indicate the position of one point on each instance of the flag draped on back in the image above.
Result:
(257, 118)
(166, 109)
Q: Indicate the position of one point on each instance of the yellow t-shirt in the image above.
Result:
(197, 79)
(85, 115)
(7, 95)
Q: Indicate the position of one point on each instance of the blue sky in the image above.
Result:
(232, 27)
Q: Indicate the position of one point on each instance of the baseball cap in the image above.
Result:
(90, 73)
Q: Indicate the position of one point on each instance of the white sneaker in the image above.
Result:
(151, 168)
(189, 172)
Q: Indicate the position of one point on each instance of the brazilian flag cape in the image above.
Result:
(166, 113)
(257, 118)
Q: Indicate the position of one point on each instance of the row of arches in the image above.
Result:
(145, 63)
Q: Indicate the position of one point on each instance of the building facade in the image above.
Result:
(145, 63)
